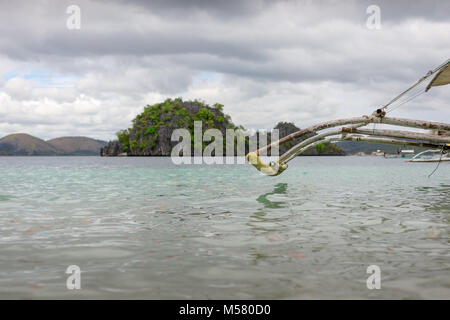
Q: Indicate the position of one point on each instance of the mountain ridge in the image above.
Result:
(24, 144)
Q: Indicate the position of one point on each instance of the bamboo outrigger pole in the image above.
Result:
(349, 129)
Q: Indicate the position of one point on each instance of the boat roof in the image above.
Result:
(442, 77)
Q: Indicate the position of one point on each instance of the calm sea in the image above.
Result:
(143, 228)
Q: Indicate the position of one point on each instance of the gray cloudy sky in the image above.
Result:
(266, 61)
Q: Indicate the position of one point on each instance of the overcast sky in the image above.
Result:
(266, 61)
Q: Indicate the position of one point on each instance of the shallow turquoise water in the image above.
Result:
(144, 228)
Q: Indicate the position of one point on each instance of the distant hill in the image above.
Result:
(22, 144)
(352, 147)
(77, 145)
(326, 149)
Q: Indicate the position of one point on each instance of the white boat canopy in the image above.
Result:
(442, 77)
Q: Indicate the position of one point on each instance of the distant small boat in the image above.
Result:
(430, 156)
(405, 154)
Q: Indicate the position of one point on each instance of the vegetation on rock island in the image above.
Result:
(151, 130)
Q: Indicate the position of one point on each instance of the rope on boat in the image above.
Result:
(439, 162)
(414, 91)
(414, 94)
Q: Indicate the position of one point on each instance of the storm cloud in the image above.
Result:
(266, 61)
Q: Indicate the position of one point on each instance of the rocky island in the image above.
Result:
(151, 131)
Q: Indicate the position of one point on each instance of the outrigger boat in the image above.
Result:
(350, 129)
(430, 156)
